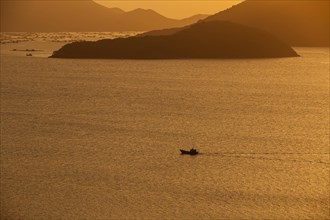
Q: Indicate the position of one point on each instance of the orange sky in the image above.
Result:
(173, 8)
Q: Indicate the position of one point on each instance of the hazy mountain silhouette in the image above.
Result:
(298, 22)
(80, 15)
(216, 39)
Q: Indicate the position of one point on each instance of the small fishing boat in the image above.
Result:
(192, 151)
(29, 54)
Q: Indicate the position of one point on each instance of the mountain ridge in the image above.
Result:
(299, 23)
(80, 16)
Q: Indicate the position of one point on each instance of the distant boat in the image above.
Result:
(29, 54)
(190, 152)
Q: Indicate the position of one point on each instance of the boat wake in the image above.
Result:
(270, 156)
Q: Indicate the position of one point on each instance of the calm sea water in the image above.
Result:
(100, 139)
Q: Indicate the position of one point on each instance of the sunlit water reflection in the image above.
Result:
(87, 139)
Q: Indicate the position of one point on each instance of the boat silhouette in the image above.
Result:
(192, 151)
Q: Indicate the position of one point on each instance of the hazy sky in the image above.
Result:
(173, 9)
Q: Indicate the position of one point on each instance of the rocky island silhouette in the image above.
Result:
(214, 39)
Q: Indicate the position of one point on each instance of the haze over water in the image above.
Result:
(92, 139)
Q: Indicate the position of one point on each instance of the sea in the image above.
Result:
(100, 139)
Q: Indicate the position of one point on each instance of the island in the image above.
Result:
(202, 40)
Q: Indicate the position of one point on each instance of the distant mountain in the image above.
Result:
(297, 22)
(215, 39)
(80, 15)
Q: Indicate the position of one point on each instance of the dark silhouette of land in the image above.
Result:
(297, 22)
(216, 39)
(80, 15)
